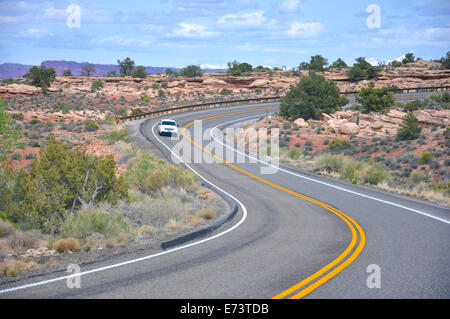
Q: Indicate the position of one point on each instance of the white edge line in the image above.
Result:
(315, 180)
(244, 216)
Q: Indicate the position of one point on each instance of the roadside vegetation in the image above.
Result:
(365, 161)
(68, 201)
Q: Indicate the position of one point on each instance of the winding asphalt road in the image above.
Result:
(295, 235)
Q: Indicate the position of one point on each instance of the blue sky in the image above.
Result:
(212, 32)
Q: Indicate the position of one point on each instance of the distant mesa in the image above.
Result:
(16, 70)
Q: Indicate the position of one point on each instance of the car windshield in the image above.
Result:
(168, 123)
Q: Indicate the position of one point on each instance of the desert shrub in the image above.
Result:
(418, 177)
(91, 126)
(206, 194)
(62, 180)
(17, 116)
(352, 171)
(334, 163)
(34, 121)
(375, 175)
(110, 243)
(409, 128)
(207, 213)
(96, 85)
(414, 105)
(6, 229)
(286, 125)
(136, 111)
(65, 245)
(310, 97)
(41, 77)
(115, 136)
(149, 175)
(226, 91)
(338, 144)
(362, 70)
(434, 164)
(294, 153)
(22, 240)
(85, 223)
(191, 71)
(16, 157)
(375, 100)
(161, 93)
(12, 268)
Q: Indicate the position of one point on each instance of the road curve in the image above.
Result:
(297, 226)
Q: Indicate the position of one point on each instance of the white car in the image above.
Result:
(168, 127)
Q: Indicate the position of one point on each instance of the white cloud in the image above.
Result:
(213, 66)
(437, 33)
(290, 6)
(191, 31)
(253, 19)
(305, 30)
(373, 61)
(151, 28)
(247, 47)
(116, 40)
(32, 33)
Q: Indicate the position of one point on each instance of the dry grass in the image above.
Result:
(22, 240)
(14, 267)
(207, 213)
(206, 194)
(194, 220)
(420, 191)
(66, 245)
(111, 243)
(173, 224)
(6, 229)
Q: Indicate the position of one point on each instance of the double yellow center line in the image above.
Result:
(333, 268)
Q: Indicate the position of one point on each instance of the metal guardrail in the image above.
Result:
(268, 99)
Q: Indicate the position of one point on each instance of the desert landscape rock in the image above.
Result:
(349, 129)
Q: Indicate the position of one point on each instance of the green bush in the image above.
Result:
(375, 100)
(150, 175)
(294, 153)
(351, 170)
(84, 224)
(191, 71)
(63, 180)
(333, 163)
(226, 91)
(375, 175)
(425, 158)
(136, 111)
(96, 85)
(41, 77)
(409, 129)
(91, 126)
(362, 70)
(310, 97)
(115, 136)
(338, 144)
(17, 116)
(414, 105)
